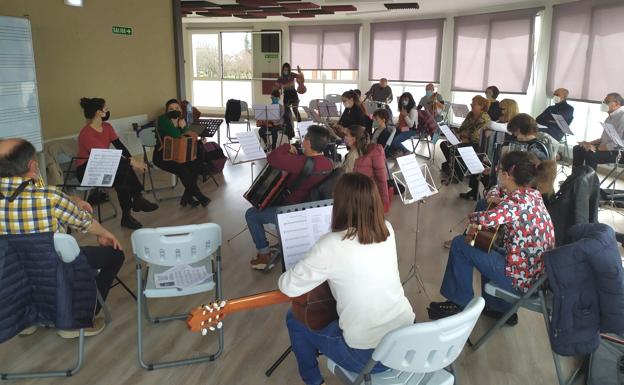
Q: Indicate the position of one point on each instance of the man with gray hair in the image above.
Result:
(603, 150)
(560, 107)
(30, 207)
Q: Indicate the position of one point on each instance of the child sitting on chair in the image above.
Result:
(284, 123)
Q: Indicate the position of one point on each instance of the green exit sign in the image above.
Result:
(122, 30)
(270, 56)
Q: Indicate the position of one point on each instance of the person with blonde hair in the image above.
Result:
(509, 109)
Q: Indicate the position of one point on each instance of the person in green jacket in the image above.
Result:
(173, 124)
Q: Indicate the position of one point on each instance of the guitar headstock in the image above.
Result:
(206, 318)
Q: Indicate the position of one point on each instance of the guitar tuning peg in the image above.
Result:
(217, 317)
(203, 323)
(204, 312)
(212, 329)
(222, 304)
(209, 319)
(219, 325)
(204, 331)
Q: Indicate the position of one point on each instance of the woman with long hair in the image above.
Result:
(353, 114)
(286, 83)
(358, 259)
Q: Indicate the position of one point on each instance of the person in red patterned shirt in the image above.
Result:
(527, 233)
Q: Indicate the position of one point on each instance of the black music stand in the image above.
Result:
(282, 210)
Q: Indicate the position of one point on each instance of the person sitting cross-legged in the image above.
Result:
(287, 158)
(30, 207)
(527, 232)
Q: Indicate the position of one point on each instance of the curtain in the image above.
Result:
(326, 47)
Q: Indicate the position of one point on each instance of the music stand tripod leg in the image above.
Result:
(278, 362)
(414, 270)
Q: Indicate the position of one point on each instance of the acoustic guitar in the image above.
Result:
(315, 309)
(485, 238)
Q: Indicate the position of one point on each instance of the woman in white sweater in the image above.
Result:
(406, 126)
(359, 261)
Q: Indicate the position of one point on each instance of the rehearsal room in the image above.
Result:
(284, 192)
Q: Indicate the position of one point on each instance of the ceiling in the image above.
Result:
(284, 10)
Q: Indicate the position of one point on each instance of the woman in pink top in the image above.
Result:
(100, 134)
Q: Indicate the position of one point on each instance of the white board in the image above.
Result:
(19, 102)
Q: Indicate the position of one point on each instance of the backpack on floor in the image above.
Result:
(214, 157)
(606, 364)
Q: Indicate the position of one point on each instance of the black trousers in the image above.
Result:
(187, 172)
(263, 134)
(126, 183)
(445, 146)
(581, 156)
(108, 261)
(291, 101)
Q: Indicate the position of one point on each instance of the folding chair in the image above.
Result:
(314, 109)
(147, 136)
(244, 119)
(336, 99)
(423, 137)
(616, 172)
(166, 247)
(67, 249)
(419, 353)
(534, 300)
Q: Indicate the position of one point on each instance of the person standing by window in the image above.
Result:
(491, 93)
(286, 83)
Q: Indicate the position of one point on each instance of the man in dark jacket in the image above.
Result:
(30, 207)
(287, 159)
(560, 107)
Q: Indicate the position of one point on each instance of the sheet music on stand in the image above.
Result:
(303, 128)
(300, 227)
(562, 124)
(450, 135)
(250, 145)
(471, 160)
(460, 110)
(416, 178)
(612, 133)
(206, 128)
(267, 112)
(498, 127)
(101, 168)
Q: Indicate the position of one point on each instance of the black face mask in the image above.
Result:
(106, 117)
(173, 114)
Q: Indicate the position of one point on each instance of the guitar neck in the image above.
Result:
(256, 301)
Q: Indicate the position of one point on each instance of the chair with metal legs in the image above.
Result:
(166, 247)
(147, 136)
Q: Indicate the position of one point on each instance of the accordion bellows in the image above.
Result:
(179, 150)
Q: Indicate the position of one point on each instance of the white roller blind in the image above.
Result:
(406, 51)
(587, 42)
(327, 47)
(494, 49)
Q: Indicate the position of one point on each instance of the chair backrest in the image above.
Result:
(429, 346)
(244, 108)
(314, 108)
(176, 245)
(147, 136)
(66, 247)
(333, 98)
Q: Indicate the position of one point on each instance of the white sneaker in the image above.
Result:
(99, 324)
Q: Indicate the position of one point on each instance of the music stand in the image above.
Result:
(327, 111)
(266, 113)
(454, 141)
(460, 110)
(418, 185)
(207, 128)
(249, 144)
(284, 210)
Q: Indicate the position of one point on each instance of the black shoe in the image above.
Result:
(141, 204)
(439, 310)
(470, 195)
(188, 200)
(512, 321)
(129, 222)
(98, 197)
(203, 200)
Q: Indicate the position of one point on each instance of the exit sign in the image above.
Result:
(122, 30)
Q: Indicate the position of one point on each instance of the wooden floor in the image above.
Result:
(518, 355)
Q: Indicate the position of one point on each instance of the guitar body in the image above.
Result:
(485, 239)
(317, 308)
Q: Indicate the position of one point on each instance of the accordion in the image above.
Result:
(179, 150)
(267, 188)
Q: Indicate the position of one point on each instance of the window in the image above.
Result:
(495, 48)
(586, 49)
(206, 62)
(236, 53)
(406, 51)
(417, 91)
(321, 83)
(327, 47)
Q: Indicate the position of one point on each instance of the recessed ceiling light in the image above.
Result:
(73, 3)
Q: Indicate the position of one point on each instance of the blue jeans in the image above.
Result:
(400, 137)
(481, 205)
(256, 221)
(457, 282)
(306, 344)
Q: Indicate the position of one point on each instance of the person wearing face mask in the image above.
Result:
(382, 94)
(491, 93)
(432, 102)
(602, 150)
(411, 123)
(286, 83)
(97, 133)
(366, 158)
(353, 114)
(384, 129)
(173, 124)
(285, 123)
(560, 107)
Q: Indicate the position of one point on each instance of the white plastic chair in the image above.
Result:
(147, 137)
(336, 99)
(68, 250)
(165, 247)
(419, 353)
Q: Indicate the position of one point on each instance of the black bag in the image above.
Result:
(325, 189)
(232, 111)
(606, 364)
(214, 157)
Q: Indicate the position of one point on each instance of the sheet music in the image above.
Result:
(471, 160)
(498, 127)
(459, 110)
(181, 277)
(101, 167)
(300, 230)
(250, 145)
(562, 124)
(541, 126)
(303, 128)
(450, 136)
(267, 111)
(414, 178)
(610, 130)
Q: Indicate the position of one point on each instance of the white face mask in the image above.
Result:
(604, 107)
(556, 99)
